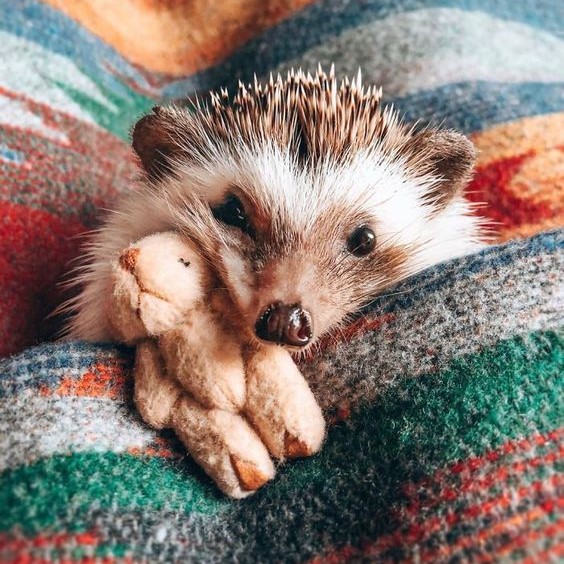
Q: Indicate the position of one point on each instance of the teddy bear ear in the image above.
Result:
(448, 155)
(153, 140)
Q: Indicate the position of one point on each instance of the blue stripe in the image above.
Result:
(474, 106)
(321, 21)
(53, 30)
(312, 26)
(45, 365)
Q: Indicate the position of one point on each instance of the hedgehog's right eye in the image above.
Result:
(232, 212)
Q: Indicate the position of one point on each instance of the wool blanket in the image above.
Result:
(444, 397)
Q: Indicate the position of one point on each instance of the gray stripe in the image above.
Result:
(401, 55)
(462, 316)
(35, 427)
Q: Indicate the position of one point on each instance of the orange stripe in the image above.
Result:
(161, 447)
(446, 552)
(520, 175)
(529, 134)
(104, 380)
(178, 37)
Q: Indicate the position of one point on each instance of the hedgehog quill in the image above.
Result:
(304, 196)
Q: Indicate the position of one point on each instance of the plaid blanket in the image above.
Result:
(445, 397)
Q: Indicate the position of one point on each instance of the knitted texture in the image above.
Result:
(444, 397)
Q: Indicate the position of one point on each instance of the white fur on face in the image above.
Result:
(379, 189)
(237, 277)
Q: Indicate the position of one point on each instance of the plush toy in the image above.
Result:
(230, 402)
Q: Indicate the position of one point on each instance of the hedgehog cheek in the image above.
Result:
(237, 277)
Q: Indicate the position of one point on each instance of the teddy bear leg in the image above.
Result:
(280, 404)
(155, 393)
(224, 445)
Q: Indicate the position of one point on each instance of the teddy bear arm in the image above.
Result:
(281, 406)
(155, 393)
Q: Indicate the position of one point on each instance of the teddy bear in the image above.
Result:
(233, 402)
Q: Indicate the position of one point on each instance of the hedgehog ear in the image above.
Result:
(153, 142)
(448, 155)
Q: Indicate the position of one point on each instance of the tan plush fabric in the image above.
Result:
(230, 402)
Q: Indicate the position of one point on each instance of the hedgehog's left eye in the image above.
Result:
(361, 241)
(232, 212)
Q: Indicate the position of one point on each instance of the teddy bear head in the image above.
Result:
(157, 282)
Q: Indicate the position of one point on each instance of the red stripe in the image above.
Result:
(530, 536)
(63, 175)
(418, 533)
(511, 526)
(35, 248)
(466, 468)
(347, 334)
(26, 550)
(475, 484)
(491, 186)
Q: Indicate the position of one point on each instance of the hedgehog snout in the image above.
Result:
(285, 324)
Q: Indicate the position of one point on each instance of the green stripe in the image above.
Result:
(508, 391)
(483, 400)
(130, 106)
(63, 488)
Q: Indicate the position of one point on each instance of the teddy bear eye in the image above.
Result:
(361, 241)
(232, 212)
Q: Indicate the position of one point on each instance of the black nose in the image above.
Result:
(285, 324)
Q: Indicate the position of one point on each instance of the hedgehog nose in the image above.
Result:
(285, 324)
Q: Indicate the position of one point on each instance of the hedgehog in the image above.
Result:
(306, 196)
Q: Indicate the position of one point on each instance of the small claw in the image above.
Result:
(249, 476)
(295, 448)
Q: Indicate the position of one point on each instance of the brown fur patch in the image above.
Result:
(153, 144)
(249, 476)
(294, 447)
(446, 154)
(128, 260)
(391, 262)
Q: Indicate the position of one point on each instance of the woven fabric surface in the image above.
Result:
(444, 397)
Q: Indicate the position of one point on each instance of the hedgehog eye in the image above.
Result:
(232, 212)
(361, 241)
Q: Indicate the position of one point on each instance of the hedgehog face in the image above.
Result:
(308, 198)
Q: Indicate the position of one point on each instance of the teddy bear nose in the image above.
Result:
(285, 324)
